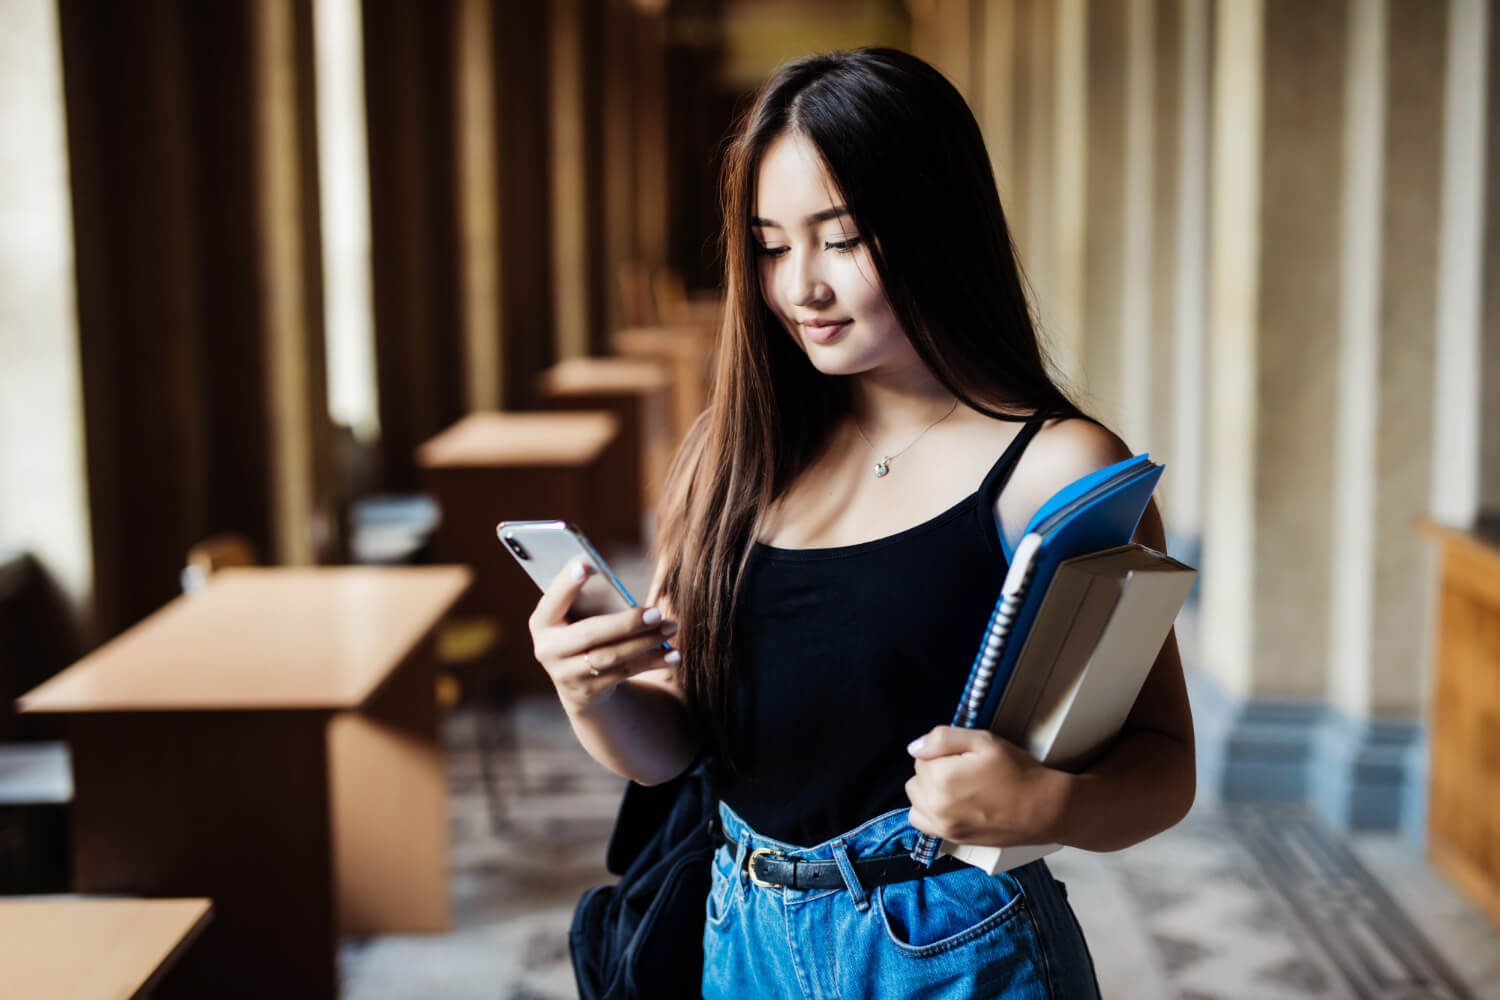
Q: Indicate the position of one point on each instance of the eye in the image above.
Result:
(843, 246)
(771, 252)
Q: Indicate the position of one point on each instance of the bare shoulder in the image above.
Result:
(1062, 451)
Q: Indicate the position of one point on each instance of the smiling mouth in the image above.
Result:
(822, 331)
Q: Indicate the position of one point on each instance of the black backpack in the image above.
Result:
(643, 936)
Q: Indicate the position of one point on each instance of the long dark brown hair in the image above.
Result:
(910, 164)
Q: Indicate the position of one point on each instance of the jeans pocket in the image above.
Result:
(934, 915)
(725, 888)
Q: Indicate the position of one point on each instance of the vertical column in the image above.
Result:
(619, 96)
(479, 180)
(1489, 414)
(570, 301)
(1135, 390)
(129, 127)
(1275, 313)
(414, 226)
(294, 369)
(1184, 487)
(998, 88)
(1166, 112)
(1028, 199)
(41, 392)
(1363, 776)
(652, 210)
(1462, 265)
(520, 43)
(1417, 47)
(344, 196)
(1104, 234)
(1068, 230)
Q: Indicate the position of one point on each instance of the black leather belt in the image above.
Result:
(778, 870)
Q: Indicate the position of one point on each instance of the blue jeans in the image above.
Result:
(963, 934)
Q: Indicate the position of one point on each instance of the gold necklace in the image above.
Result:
(883, 467)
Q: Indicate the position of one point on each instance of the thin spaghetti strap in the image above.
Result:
(1000, 471)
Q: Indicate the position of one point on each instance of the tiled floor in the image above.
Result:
(1260, 904)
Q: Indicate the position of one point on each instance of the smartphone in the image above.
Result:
(543, 548)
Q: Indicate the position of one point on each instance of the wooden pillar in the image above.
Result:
(298, 430)
(479, 180)
(414, 224)
(128, 124)
(652, 207)
(526, 315)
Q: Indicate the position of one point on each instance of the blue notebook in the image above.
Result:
(1099, 511)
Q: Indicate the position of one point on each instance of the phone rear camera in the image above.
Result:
(517, 548)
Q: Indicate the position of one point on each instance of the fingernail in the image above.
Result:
(670, 628)
(915, 746)
(580, 570)
(651, 617)
(673, 657)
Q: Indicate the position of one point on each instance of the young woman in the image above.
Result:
(833, 537)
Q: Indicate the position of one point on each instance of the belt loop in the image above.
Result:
(741, 851)
(845, 861)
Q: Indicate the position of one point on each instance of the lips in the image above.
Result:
(822, 331)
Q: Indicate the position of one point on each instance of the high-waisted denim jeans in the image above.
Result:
(963, 934)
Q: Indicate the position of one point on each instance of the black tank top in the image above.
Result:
(844, 655)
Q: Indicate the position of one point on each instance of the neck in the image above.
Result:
(899, 402)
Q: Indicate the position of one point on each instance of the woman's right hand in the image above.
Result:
(588, 659)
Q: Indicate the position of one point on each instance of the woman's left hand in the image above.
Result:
(973, 787)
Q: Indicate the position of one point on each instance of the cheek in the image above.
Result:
(768, 285)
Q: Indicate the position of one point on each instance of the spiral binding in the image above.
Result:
(981, 678)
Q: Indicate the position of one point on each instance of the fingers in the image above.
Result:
(945, 741)
(587, 679)
(552, 609)
(606, 630)
(621, 658)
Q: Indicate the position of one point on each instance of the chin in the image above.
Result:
(835, 363)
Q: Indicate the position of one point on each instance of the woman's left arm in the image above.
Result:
(1145, 783)
(971, 786)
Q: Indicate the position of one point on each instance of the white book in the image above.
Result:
(1096, 636)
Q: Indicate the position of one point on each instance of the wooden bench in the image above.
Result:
(493, 467)
(72, 948)
(639, 394)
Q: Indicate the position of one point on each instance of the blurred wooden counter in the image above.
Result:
(271, 743)
(1463, 804)
(687, 351)
(93, 949)
(639, 394)
(493, 467)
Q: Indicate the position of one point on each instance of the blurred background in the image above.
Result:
(263, 263)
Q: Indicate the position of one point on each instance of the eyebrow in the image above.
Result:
(756, 222)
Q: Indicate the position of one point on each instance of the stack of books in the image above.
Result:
(1081, 618)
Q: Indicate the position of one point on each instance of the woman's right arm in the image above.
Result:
(616, 682)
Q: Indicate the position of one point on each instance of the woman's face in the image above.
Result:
(815, 269)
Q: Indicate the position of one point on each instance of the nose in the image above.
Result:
(808, 290)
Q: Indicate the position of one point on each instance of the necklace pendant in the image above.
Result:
(882, 467)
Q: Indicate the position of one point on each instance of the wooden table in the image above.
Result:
(639, 394)
(688, 352)
(269, 742)
(93, 949)
(493, 467)
(1463, 792)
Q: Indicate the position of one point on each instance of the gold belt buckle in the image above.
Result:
(750, 866)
